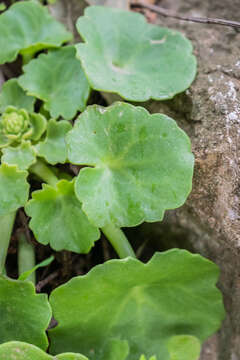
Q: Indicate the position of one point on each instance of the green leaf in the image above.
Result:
(23, 155)
(69, 356)
(58, 220)
(184, 347)
(124, 54)
(115, 349)
(24, 315)
(26, 28)
(13, 95)
(64, 88)
(145, 304)
(143, 164)
(44, 263)
(14, 188)
(16, 350)
(38, 124)
(53, 148)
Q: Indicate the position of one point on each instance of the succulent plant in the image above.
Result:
(17, 125)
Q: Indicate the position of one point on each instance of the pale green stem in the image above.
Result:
(6, 226)
(118, 240)
(26, 57)
(44, 172)
(114, 234)
(26, 257)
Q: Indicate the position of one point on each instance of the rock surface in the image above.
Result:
(210, 113)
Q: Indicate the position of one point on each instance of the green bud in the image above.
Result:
(15, 123)
(19, 125)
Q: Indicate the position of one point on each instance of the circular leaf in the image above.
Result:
(124, 54)
(64, 88)
(14, 188)
(13, 95)
(58, 220)
(143, 164)
(145, 304)
(27, 27)
(16, 350)
(24, 315)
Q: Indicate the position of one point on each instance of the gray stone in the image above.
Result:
(209, 112)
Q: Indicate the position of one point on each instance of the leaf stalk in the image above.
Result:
(44, 172)
(26, 256)
(118, 240)
(6, 226)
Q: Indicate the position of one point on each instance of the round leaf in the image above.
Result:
(14, 188)
(143, 164)
(27, 27)
(23, 155)
(24, 315)
(124, 54)
(16, 350)
(64, 88)
(13, 95)
(145, 304)
(58, 220)
(53, 148)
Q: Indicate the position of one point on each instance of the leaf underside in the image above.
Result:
(63, 88)
(144, 304)
(27, 27)
(141, 164)
(124, 54)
